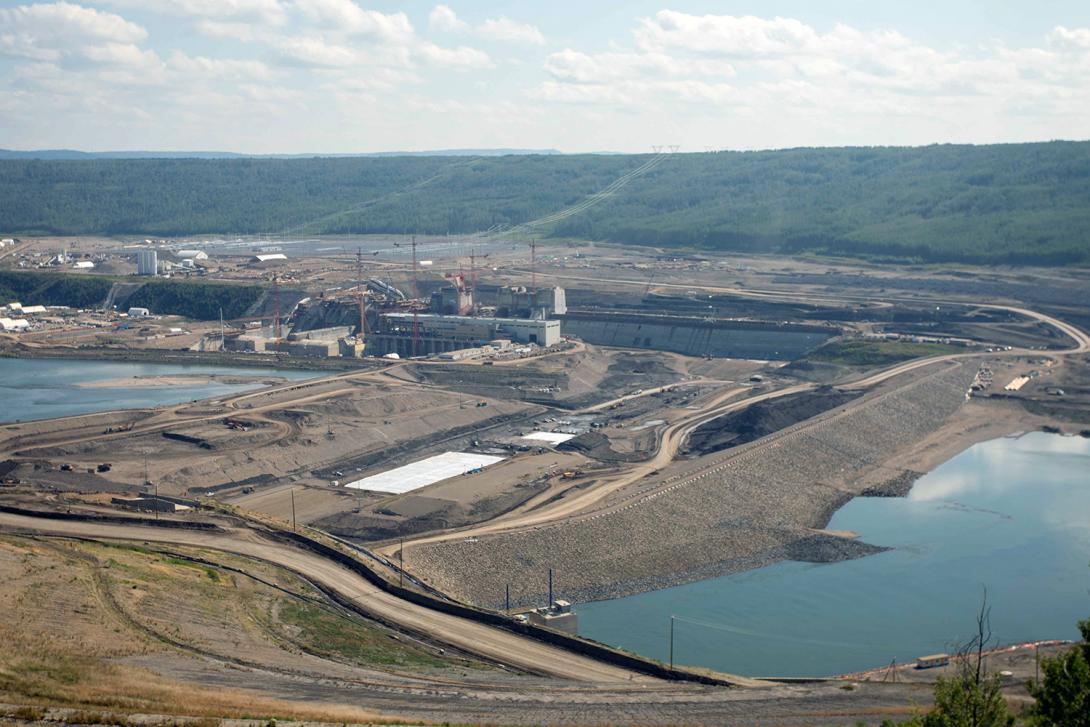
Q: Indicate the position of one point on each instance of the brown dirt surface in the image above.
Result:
(80, 621)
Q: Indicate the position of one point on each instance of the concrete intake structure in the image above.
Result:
(440, 334)
(699, 336)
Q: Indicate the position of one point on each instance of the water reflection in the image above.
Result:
(40, 389)
(1010, 514)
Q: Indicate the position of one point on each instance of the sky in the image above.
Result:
(349, 76)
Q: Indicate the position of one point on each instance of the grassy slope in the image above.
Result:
(71, 612)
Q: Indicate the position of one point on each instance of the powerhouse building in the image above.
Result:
(440, 334)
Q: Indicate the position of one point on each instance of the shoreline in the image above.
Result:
(973, 424)
(182, 379)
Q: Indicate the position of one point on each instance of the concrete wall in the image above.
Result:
(696, 337)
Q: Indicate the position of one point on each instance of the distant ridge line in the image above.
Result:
(67, 154)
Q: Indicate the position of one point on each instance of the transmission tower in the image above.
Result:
(359, 296)
(276, 306)
(416, 303)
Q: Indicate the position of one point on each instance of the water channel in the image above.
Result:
(1011, 515)
(44, 388)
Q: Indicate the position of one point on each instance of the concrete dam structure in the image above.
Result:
(698, 336)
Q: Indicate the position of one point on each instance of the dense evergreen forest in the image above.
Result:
(1018, 203)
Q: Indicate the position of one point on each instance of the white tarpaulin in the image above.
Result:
(551, 437)
(425, 472)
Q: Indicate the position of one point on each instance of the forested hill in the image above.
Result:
(1019, 203)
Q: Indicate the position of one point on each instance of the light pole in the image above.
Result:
(671, 641)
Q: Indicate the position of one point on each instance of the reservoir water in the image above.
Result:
(1011, 515)
(44, 388)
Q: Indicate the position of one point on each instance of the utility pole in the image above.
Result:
(533, 269)
(416, 299)
(276, 306)
(507, 599)
(148, 482)
(359, 295)
(550, 603)
(401, 562)
(293, 510)
(671, 641)
(221, 330)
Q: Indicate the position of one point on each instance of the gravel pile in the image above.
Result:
(744, 510)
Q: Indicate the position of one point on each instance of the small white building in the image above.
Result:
(192, 254)
(139, 313)
(32, 310)
(84, 265)
(275, 257)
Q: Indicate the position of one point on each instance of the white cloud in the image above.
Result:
(726, 35)
(121, 54)
(782, 64)
(443, 19)
(54, 30)
(717, 80)
(316, 52)
(508, 31)
(461, 57)
(346, 16)
(217, 68)
(1070, 39)
(72, 35)
(270, 12)
(581, 67)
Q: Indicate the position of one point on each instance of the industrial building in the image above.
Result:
(454, 300)
(441, 334)
(147, 262)
(540, 303)
(192, 255)
(557, 615)
(14, 324)
(275, 258)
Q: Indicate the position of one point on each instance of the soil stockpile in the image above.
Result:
(764, 418)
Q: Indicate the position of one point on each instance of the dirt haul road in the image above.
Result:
(491, 643)
(676, 434)
(1082, 340)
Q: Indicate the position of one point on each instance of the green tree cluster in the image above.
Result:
(1063, 696)
(999, 204)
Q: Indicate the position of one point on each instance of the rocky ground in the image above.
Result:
(743, 509)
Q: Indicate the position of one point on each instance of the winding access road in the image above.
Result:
(492, 643)
(676, 434)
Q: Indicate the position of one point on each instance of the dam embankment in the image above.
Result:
(736, 510)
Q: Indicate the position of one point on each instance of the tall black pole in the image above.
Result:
(293, 510)
(671, 642)
(550, 603)
(507, 599)
(401, 560)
